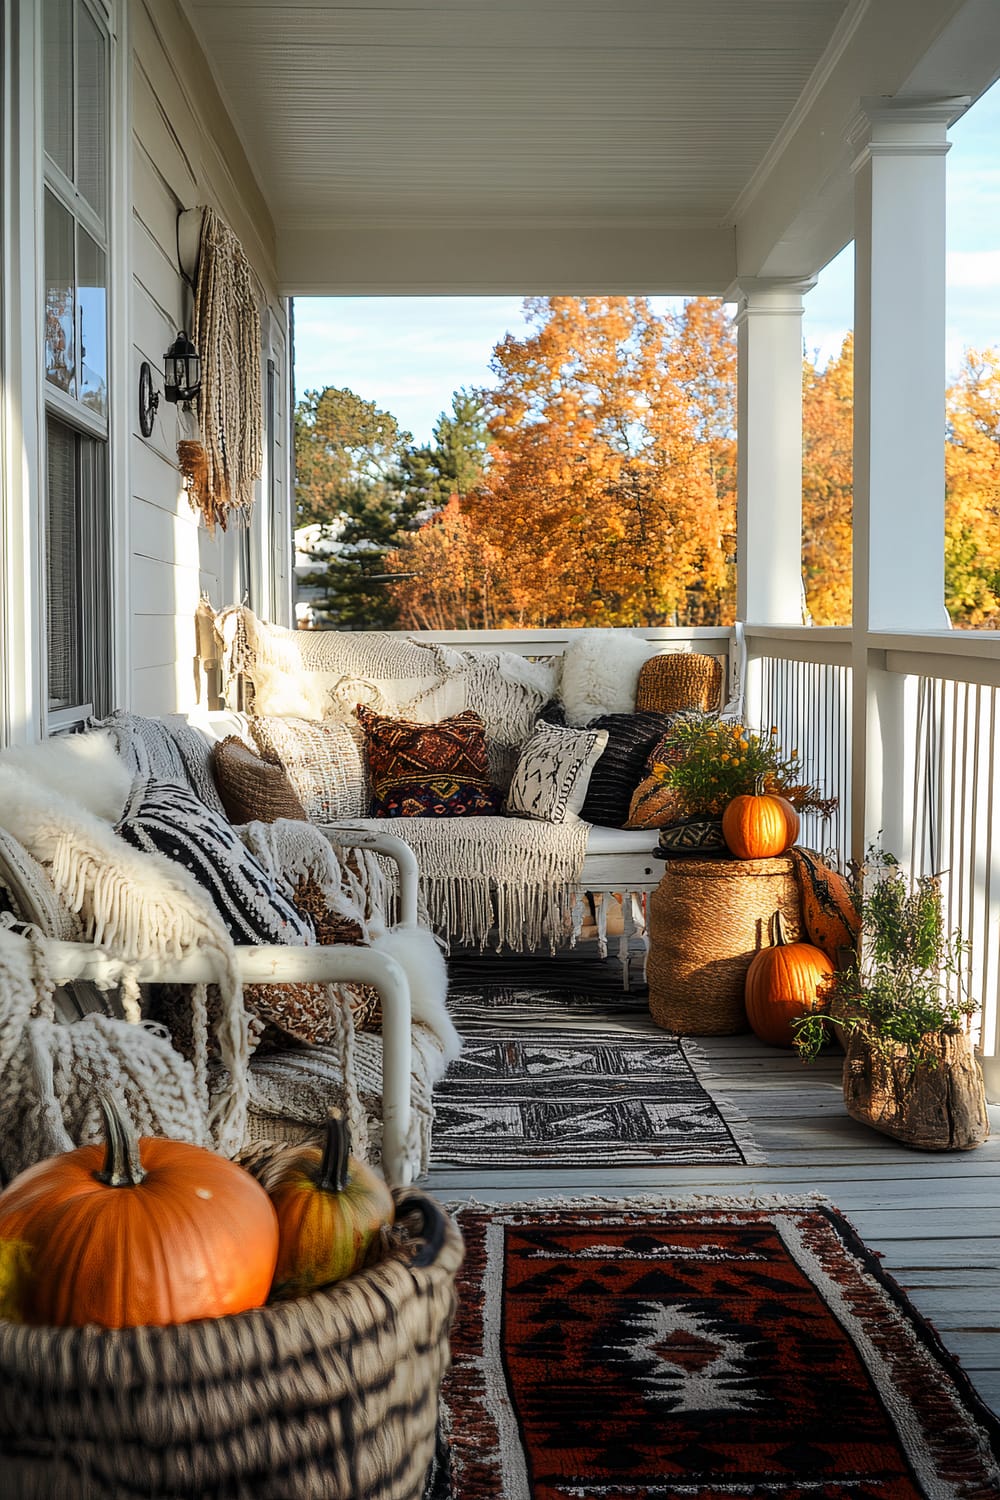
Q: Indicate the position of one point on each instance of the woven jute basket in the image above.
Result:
(675, 681)
(333, 1396)
(707, 919)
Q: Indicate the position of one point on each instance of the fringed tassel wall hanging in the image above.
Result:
(221, 465)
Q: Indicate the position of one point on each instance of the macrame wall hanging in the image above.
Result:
(220, 464)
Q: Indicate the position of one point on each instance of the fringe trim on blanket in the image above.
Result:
(507, 880)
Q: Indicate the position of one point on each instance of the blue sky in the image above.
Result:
(408, 354)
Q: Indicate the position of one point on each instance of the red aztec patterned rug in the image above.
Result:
(759, 1353)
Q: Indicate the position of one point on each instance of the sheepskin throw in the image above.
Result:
(600, 673)
(227, 335)
(508, 880)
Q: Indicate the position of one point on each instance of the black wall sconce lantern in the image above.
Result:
(181, 370)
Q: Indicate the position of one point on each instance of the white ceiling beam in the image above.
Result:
(320, 258)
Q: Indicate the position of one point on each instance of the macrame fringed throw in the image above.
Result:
(220, 471)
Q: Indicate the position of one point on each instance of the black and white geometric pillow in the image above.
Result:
(553, 772)
(164, 817)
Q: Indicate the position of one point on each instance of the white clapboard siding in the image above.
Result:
(185, 154)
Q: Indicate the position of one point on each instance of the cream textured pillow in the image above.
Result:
(324, 762)
(553, 773)
(600, 674)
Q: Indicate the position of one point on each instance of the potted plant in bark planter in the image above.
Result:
(903, 1009)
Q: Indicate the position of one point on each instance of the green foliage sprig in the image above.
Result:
(708, 761)
(908, 981)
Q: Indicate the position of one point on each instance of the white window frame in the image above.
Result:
(95, 656)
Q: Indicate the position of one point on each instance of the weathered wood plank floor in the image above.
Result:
(935, 1219)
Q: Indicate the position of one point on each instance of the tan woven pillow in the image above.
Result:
(324, 763)
(253, 790)
(677, 681)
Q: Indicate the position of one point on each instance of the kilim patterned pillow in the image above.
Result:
(631, 737)
(166, 818)
(428, 770)
(323, 762)
(552, 775)
(253, 790)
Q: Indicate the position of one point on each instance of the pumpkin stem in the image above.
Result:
(122, 1166)
(333, 1173)
(778, 937)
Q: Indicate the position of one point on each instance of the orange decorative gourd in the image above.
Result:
(330, 1208)
(138, 1232)
(831, 918)
(784, 982)
(760, 825)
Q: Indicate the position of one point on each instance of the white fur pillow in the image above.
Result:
(600, 674)
(83, 768)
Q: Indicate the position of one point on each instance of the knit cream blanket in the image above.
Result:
(513, 881)
(138, 905)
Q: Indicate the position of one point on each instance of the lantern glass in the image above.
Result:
(181, 370)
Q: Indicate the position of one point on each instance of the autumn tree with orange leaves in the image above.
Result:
(609, 496)
(827, 486)
(972, 493)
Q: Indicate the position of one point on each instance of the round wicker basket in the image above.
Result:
(708, 917)
(331, 1395)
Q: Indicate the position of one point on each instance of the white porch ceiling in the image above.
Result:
(560, 144)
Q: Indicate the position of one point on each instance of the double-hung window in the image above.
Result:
(76, 98)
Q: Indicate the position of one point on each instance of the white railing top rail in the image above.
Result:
(971, 656)
(713, 640)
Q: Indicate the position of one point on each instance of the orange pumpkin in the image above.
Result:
(330, 1209)
(760, 825)
(138, 1232)
(784, 982)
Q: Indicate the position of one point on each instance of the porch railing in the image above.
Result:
(938, 807)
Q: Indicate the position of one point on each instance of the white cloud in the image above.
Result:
(974, 268)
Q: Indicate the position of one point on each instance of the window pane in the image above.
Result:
(57, 81)
(60, 343)
(66, 687)
(92, 112)
(93, 296)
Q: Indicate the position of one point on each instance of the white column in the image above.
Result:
(899, 385)
(769, 473)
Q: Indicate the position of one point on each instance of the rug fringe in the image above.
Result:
(645, 1201)
(732, 1114)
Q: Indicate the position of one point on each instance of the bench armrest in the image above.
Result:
(273, 964)
(353, 836)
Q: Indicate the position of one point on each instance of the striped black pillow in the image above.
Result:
(164, 817)
(620, 769)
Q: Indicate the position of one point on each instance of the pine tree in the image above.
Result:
(348, 457)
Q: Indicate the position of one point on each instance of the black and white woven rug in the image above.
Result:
(561, 1079)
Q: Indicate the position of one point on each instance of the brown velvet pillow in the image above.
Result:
(253, 790)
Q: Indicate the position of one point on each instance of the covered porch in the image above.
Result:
(727, 148)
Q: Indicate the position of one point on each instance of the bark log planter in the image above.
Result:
(934, 1107)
